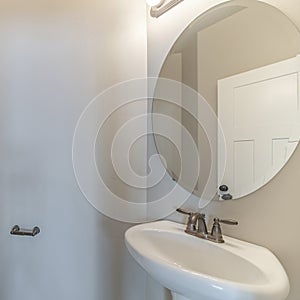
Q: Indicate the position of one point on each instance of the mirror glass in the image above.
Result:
(243, 58)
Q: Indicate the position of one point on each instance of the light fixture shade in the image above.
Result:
(158, 7)
(154, 2)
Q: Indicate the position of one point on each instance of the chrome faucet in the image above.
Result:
(196, 225)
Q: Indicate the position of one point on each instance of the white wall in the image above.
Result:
(268, 217)
(55, 56)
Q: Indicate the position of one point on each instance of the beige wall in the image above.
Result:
(268, 217)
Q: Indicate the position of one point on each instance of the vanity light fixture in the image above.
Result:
(159, 7)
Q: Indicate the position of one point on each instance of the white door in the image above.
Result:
(259, 115)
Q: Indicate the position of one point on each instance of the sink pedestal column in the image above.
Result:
(178, 297)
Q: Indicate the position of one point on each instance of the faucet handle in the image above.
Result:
(227, 222)
(180, 210)
(216, 231)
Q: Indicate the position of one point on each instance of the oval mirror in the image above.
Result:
(243, 58)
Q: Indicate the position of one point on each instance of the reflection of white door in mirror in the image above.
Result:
(260, 118)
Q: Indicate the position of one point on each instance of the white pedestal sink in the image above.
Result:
(197, 269)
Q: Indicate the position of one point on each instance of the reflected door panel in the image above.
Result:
(259, 115)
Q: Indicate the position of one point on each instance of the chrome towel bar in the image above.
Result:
(16, 230)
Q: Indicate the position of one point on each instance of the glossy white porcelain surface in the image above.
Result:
(199, 269)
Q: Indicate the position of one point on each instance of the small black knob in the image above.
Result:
(226, 197)
(223, 188)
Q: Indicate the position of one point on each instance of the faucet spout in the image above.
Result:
(202, 228)
(192, 220)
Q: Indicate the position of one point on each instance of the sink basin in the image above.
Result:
(194, 268)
